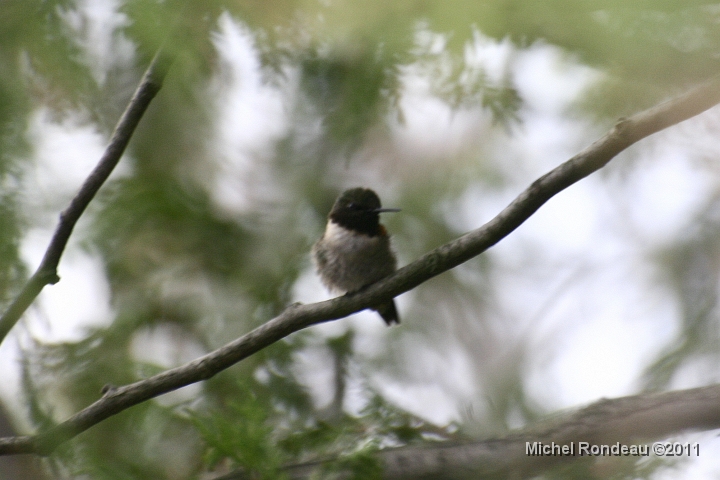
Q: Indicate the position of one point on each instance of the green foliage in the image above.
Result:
(351, 90)
(241, 431)
(683, 264)
(361, 464)
(168, 219)
(261, 428)
(12, 272)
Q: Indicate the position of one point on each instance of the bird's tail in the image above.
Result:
(388, 312)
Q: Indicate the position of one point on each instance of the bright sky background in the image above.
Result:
(611, 326)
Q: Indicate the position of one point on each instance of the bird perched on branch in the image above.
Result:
(355, 249)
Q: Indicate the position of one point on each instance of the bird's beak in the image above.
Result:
(383, 210)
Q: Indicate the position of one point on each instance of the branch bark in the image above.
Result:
(297, 317)
(46, 273)
(629, 421)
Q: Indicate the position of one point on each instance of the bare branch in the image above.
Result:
(630, 421)
(46, 273)
(297, 317)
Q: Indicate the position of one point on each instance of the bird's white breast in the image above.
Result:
(346, 240)
(352, 260)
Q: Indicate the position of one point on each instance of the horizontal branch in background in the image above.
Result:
(297, 317)
(633, 420)
(46, 273)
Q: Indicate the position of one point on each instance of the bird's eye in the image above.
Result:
(353, 206)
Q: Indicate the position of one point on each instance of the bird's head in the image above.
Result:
(359, 209)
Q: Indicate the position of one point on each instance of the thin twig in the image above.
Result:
(46, 273)
(297, 317)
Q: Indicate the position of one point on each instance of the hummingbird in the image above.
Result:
(354, 251)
